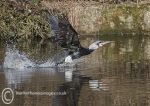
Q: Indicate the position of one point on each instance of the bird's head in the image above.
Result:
(98, 44)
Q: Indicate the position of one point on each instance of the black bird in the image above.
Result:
(67, 38)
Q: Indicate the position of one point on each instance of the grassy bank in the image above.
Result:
(22, 21)
(26, 20)
(98, 18)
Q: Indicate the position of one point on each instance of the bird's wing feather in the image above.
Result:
(65, 34)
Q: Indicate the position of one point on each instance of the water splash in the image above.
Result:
(13, 59)
(49, 63)
(16, 60)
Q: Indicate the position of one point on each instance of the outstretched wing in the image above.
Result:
(64, 33)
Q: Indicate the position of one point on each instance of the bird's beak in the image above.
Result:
(106, 42)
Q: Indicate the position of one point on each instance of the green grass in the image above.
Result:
(23, 23)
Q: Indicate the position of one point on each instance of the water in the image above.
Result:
(117, 74)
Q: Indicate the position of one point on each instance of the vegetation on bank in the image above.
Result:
(25, 19)
(125, 20)
(22, 21)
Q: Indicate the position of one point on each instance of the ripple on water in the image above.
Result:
(115, 75)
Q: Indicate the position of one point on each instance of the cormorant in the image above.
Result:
(66, 37)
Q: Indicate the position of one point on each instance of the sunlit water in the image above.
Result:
(117, 74)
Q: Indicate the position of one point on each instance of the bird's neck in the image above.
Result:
(85, 51)
(91, 50)
(75, 55)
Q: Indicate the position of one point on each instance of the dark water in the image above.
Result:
(117, 74)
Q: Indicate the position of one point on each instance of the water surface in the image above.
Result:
(117, 74)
